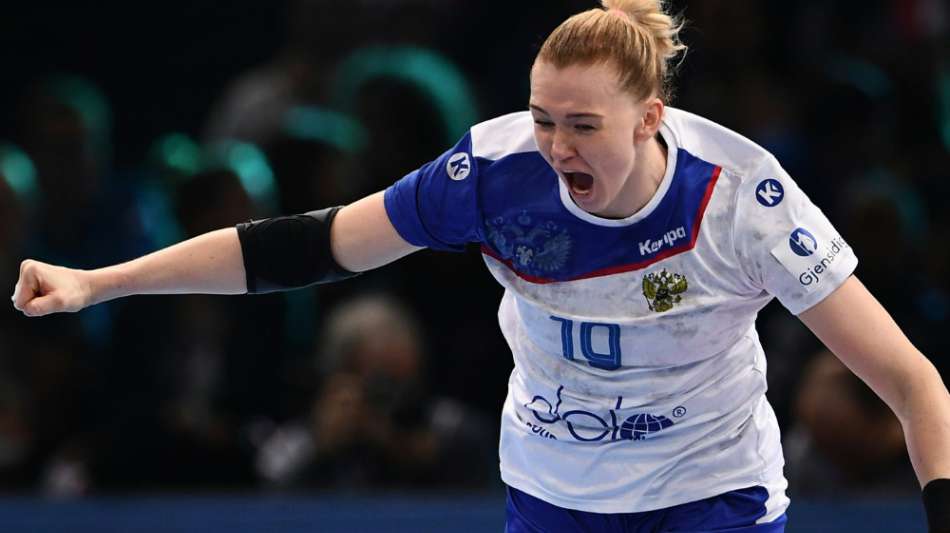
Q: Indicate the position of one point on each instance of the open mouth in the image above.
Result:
(579, 182)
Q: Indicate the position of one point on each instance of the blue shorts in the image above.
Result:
(734, 511)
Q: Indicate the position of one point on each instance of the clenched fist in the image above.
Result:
(43, 289)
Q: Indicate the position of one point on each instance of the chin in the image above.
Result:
(592, 206)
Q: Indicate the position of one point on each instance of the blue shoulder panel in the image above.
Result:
(436, 206)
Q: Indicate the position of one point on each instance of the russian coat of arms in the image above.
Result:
(663, 290)
(533, 247)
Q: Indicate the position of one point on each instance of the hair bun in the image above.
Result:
(634, 7)
(652, 16)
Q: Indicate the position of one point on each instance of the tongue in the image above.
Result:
(581, 183)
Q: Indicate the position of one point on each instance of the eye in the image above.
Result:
(584, 128)
(543, 123)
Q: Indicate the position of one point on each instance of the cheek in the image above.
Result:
(614, 162)
(544, 144)
(614, 167)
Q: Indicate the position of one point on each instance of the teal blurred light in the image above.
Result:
(18, 171)
(430, 72)
(252, 168)
(860, 74)
(83, 97)
(181, 158)
(325, 126)
(177, 152)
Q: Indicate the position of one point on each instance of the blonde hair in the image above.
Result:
(637, 37)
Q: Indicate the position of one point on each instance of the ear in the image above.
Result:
(650, 120)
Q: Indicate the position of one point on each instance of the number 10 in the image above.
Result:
(606, 361)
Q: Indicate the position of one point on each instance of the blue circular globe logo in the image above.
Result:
(802, 242)
(638, 426)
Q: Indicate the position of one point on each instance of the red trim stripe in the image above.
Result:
(628, 267)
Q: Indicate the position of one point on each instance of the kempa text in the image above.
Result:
(650, 246)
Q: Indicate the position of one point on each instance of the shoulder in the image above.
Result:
(737, 155)
(750, 176)
(503, 136)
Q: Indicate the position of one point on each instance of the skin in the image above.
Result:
(585, 122)
(615, 142)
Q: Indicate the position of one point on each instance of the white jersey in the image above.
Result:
(639, 379)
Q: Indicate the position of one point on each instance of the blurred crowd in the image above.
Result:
(394, 379)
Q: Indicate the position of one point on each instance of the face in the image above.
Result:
(596, 136)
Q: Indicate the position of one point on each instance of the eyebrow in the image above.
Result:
(569, 115)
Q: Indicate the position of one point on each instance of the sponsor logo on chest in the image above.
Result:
(667, 240)
(583, 425)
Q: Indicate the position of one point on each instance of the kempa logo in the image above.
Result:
(770, 193)
(650, 246)
(458, 166)
(802, 242)
(813, 274)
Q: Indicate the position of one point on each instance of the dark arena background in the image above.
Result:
(373, 404)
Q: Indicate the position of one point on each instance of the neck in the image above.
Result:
(649, 170)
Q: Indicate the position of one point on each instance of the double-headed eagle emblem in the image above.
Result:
(663, 290)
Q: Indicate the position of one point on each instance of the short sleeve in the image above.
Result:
(437, 205)
(785, 244)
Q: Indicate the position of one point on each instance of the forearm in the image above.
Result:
(209, 264)
(925, 417)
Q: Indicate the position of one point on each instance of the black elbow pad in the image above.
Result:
(289, 252)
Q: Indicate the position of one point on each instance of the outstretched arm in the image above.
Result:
(853, 325)
(361, 237)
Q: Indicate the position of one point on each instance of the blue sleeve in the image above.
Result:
(437, 205)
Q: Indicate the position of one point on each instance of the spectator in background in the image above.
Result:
(373, 423)
(886, 222)
(279, 105)
(86, 216)
(357, 70)
(846, 442)
(320, 33)
(65, 126)
(314, 158)
(16, 431)
(17, 188)
(189, 395)
(42, 406)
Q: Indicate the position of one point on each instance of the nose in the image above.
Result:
(562, 147)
